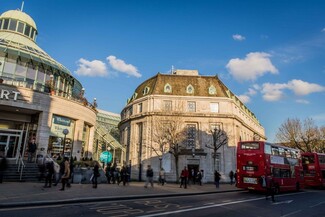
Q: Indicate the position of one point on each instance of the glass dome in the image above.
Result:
(24, 63)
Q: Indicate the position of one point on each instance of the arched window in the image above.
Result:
(190, 89)
(167, 88)
(212, 90)
(146, 90)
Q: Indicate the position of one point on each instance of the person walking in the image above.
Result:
(217, 178)
(184, 177)
(149, 175)
(124, 175)
(95, 175)
(32, 146)
(231, 176)
(66, 174)
(270, 187)
(162, 176)
(199, 177)
(49, 171)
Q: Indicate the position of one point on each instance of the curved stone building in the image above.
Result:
(39, 97)
(199, 106)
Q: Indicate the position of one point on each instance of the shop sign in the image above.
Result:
(106, 157)
(59, 124)
(9, 95)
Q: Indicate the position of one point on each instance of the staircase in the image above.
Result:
(30, 173)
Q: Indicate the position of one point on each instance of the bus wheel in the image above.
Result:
(297, 186)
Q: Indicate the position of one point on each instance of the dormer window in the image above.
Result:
(212, 90)
(190, 89)
(134, 96)
(146, 90)
(167, 88)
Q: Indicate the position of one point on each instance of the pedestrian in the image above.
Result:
(149, 175)
(3, 166)
(162, 176)
(107, 171)
(49, 171)
(66, 174)
(217, 178)
(124, 175)
(70, 180)
(60, 173)
(270, 187)
(184, 177)
(95, 175)
(231, 176)
(32, 146)
(199, 177)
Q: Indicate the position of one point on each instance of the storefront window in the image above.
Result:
(58, 140)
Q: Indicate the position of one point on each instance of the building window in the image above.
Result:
(191, 106)
(212, 90)
(140, 107)
(146, 90)
(191, 135)
(214, 107)
(167, 88)
(190, 89)
(167, 105)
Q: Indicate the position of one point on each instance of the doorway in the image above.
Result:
(10, 141)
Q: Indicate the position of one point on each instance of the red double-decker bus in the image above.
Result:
(257, 158)
(314, 169)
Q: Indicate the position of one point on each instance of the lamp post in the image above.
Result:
(193, 151)
(65, 132)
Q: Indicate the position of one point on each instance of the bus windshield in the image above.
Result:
(308, 159)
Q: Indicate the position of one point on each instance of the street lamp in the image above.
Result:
(65, 132)
(160, 162)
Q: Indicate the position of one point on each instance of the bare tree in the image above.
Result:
(168, 134)
(305, 136)
(219, 138)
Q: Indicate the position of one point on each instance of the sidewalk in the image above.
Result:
(15, 194)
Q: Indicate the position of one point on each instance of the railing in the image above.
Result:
(21, 166)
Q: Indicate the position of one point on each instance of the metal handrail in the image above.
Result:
(21, 166)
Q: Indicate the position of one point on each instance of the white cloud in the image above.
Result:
(302, 88)
(91, 68)
(323, 30)
(244, 98)
(275, 92)
(238, 37)
(302, 101)
(120, 66)
(254, 65)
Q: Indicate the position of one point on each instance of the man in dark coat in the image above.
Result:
(31, 150)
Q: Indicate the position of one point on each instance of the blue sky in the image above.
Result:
(269, 53)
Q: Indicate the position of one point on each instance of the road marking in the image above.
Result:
(286, 201)
(214, 205)
(317, 204)
(203, 207)
(289, 214)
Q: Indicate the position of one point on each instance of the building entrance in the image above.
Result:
(10, 141)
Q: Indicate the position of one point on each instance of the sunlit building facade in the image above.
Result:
(199, 104)
(39, 97)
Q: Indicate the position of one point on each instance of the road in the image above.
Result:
(305, 203)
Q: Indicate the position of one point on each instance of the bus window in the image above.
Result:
(321, 159)
(287, 153)
(281, 152)
(275, 150)
(267, 149)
